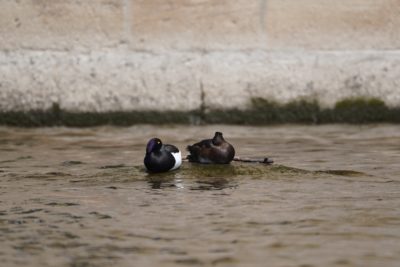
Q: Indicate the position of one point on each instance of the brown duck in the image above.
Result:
(215, 150)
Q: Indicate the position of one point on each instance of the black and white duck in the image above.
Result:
(161, 157)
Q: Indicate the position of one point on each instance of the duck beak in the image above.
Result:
(150, 147)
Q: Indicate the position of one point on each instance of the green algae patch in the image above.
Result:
(360, 110)
(348, 173)
(246, 171)
(260, 112)
(350, 110)
(285, 169)
(212, 176)
(294, 111)
(234, 170)
(55, 116)
(197, 170)
(206, 173)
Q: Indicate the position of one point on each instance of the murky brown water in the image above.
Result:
(75, 197)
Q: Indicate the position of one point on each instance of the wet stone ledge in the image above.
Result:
(259, 112)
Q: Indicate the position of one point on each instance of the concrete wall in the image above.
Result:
(103, 55)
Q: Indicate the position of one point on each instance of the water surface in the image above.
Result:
(80, 197)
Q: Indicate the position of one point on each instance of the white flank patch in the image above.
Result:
(178, 160)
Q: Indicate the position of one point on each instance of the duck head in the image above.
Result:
(218, 138)
(154, 144)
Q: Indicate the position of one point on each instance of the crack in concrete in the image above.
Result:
(128, 21)
(202, 101)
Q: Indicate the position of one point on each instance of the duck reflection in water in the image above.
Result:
(202, 185)
(214, 184)
(163, 183)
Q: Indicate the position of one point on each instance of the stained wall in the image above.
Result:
(102, 55)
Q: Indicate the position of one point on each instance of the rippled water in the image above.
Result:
(79, 197)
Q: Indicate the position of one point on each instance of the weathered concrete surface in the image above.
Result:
(270, 24)
(198, 24)
(334, 25)
(98, 81)
(60, 25)
(103, 55)
(119, 80)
